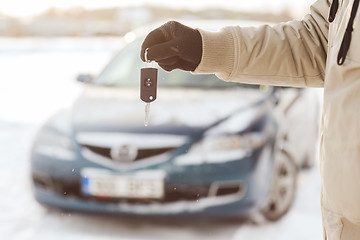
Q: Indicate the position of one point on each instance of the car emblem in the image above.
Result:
(124, 153)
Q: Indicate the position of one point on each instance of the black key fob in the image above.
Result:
(148, 84)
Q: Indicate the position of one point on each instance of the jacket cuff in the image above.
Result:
(218, 53)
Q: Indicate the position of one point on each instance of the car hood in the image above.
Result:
(174, 109)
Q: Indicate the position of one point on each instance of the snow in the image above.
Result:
(33, 84)
(38, 77)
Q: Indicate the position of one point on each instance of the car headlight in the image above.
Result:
(229, 140)
(223, 148)
(54, 141)
(246, 141)
(231, 135)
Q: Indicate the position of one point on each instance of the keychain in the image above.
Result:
(148, 87)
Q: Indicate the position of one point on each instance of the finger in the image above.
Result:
(163, 51)
(186, 65)
(180, 64)
(167, 68)
(169, 61)
(153, 38)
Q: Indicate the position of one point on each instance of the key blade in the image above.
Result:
(147, 114)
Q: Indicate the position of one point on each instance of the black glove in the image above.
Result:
(173, 45)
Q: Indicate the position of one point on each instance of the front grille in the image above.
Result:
(65, 188)
(103, 151)
(123, 147)
(229, 190)
(141, 153)
(186, 193)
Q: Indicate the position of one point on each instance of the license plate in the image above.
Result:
(128, 186)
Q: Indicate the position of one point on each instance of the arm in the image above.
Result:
(292, 54)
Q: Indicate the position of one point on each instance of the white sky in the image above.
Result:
(24, 8)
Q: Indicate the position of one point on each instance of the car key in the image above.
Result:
(148, 87)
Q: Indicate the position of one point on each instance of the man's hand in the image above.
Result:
(173, 45)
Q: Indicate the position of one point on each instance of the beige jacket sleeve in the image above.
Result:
(286, 54)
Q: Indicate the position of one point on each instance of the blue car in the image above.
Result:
(212, 148)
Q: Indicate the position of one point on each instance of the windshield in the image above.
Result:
(124, 71)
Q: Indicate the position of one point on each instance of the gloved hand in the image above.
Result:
(173, 45)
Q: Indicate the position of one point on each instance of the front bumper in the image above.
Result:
(234, 188)
(216, 206)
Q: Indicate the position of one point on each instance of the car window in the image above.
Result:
(124, 71)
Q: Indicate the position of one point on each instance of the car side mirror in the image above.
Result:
(84, 78)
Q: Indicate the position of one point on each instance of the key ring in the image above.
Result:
(146, 56)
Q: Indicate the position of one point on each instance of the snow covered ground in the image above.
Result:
(36, 79)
